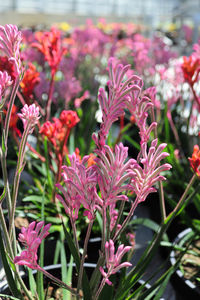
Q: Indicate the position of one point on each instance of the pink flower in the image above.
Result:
(114, 173)
(31, 237)
(138, 107)
(80, 182)
(29, 116)
(113, 260)
(10, 39)
(147, 176)
(113, 105)
(5, 82)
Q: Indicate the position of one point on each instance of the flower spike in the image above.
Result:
(30, 115)
(31, 237)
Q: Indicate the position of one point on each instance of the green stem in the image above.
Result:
(58, 281)
(6, 235)
(182, 200)
(84, 255)
(133, 207)
(75, 236)
(161, 192)
(17, 177)
(100, 289)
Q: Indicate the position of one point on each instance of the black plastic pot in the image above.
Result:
(94, 245)
(55, 270)
(185, 287)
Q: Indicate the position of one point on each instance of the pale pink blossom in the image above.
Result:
(10, 39)
(31, 237)
(113, 260)
(29, 116)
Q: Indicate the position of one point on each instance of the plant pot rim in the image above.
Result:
(173, 261)
(4, 284)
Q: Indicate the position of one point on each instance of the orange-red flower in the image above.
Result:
(30, 80)
(191, 69)
(69, 118)
(56, 131)
(195, 160)
(50, 44)
(48, 129)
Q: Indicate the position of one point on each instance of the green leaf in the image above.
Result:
(149, 224)
(69, 276)
(66, 294)
(11, 282)
(35, 198)
(166, 121)
(3, 195)
(74, 252)
(3, 142)
(49, 178)
(141, 266)
(6, 297)
(39, 276)
(32, 283)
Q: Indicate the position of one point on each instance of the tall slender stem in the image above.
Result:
(182, 199)
(161, 191)
(58, 281)
(84, 255)
(18, 172)
(133, 207)
(100, 289)
(75, 235)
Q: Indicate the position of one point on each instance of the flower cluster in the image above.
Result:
(144, 178)
(29, 116)
(56, 131)
(31, 237)
(80, 182)
(10, 39)
(50, 44)
(113, 260)
(113, 105)
(30, 80)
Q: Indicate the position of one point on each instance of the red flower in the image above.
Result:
(48, 129)
(50, 44)
(69, 118)
(56, 131)
(7, 65)
(190, 67)
(30, 80)
(13, 120)
(195, 160)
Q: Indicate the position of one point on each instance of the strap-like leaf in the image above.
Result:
(9, 276)
(74, 252)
